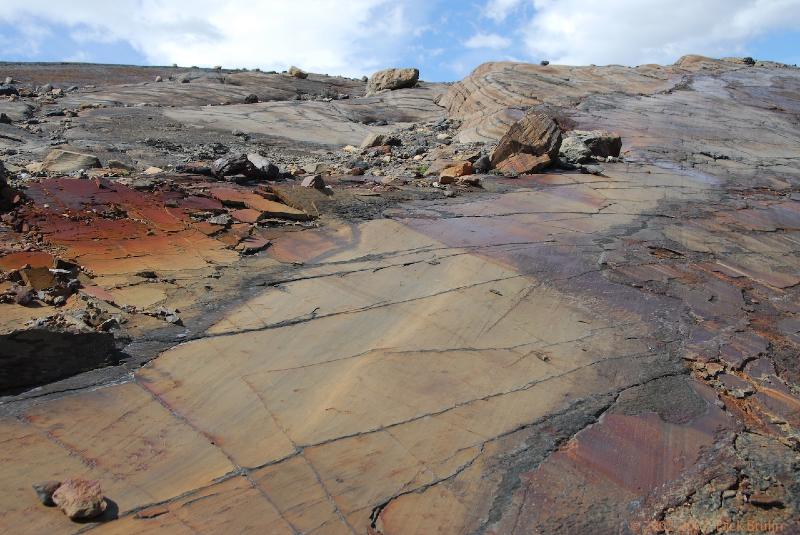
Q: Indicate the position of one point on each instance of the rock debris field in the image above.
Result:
(543, 299)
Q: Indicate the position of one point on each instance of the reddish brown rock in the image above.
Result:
(80, 498)
(459, 169)
(523, 164)
(536, 134)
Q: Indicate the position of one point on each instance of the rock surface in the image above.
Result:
(562, 352)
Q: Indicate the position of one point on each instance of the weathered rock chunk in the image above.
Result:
(64, 161)
(392, 79)
(251, 99)
(536, 134)
(602, 144)
(252, 166)
(457, 170)
(574, 150)
(80, 498)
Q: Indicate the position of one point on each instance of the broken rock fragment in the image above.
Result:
(451, 173)
(574, 150)
(601, 144)
(536, 134)
(251, 166)
(80, 498)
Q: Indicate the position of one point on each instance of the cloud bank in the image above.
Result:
(349, 37)
(632, 32)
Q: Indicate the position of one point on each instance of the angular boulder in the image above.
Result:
(536, 134)
(64, 161)
(574, 150)
(80, 498)
(252, 166)
(392, 79)
(457, 170)
(602, 144)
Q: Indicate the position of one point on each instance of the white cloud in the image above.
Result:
(499, 10)
(487, 40)
(352, 38)
(632, 32)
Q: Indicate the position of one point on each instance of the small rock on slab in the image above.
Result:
(80, 498)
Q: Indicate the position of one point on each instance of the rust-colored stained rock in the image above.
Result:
(80, 499)
(459, 169)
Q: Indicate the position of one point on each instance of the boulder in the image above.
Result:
(158, 79)
(457, 170)
(297, 73)
(8, 89)
(524, 164)
(313, 181)
(377, 140)
(64, 161)
(392, 79)
(574, 150)
(80, 498)
(252, 166)
(536, 134)
(5, 119)
(602, 144)
(252, 98)
(482, 164)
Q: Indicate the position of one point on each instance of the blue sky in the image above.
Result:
(446, 39)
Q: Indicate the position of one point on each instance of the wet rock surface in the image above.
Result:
(353, 346)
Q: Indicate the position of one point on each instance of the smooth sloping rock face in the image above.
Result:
(392, 79)
(536, 134)
(63, 161)
(496, 94)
